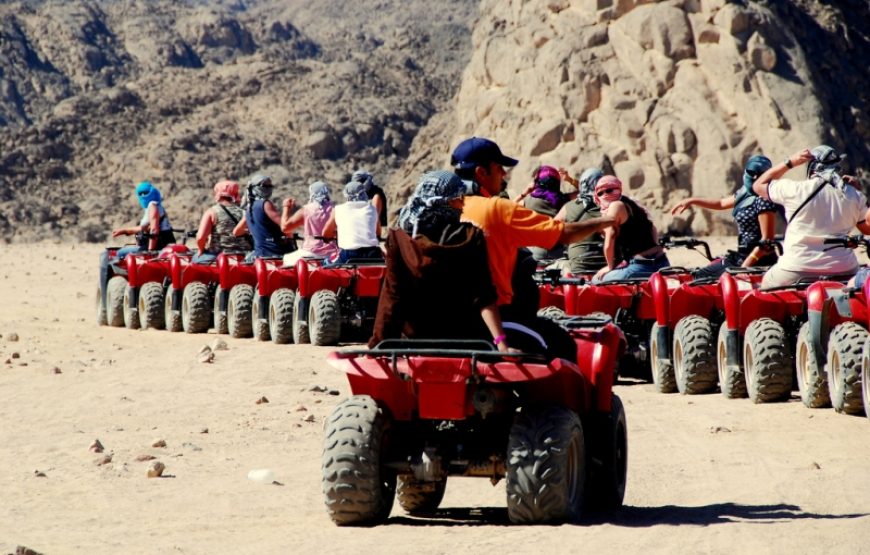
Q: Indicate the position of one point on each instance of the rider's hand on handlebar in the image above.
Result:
(680, 207)
(503, 348)
(600, 273)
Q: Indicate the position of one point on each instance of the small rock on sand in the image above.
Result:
(310, 418)
(219, 345)
(156, 469)
(105, 459)
(262, 400)
(145, 458)
(205, 355)
(56, 370)
(12, 337)
(158, 443)
(16, 355)
(96, 446)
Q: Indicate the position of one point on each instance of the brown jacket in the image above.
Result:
(435, 290)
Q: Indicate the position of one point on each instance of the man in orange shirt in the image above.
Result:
(509, 227)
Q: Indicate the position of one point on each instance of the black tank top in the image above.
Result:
(636, 234)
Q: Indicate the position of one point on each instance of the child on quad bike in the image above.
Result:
(153, 232)
(631, 246)
(755, 218)
(427, 254)
(822, 205)
(215, 233)
(263, 221)
(357, 226)
(313, 216)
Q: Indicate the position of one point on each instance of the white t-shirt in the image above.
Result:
(831, 212)
(356, 223)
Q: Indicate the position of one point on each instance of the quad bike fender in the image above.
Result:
(730, 301)
(660, 297)
(303, 269)
(132, 264)
(369, 280)
(598, 352)
(177, 265)
(261, 270)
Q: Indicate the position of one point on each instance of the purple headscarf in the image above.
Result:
(548, 185)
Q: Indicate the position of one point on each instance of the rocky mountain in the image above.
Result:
(98, 95)
(673, 95)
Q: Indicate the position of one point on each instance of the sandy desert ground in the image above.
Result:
(706, 475)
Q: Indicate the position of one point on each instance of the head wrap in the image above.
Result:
(431, 199)
(755, 166)
(319, 192)
(825, 159)
(607, 190)
(227, 190)
(259, 187)
(147, 193)
(355, 191)
(588, 179)
(548, 185)
(364, 177)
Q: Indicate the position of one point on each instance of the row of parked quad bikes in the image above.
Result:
(553, 429)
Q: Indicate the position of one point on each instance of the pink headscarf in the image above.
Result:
(226, 189)
(608, 183)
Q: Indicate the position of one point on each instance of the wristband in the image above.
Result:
(788, 163)
(499, 340)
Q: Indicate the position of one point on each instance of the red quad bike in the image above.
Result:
(836, 326)
(762, 325)
(275, 298)
(234, 295)
(190, 298)
(337, 302)
(425, 410)
(146, 279)
(631, 304)
(112, 314)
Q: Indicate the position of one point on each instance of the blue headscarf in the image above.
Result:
(147, 193)
(588, 179)
(745, 196)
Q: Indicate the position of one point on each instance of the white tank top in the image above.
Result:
(356, 222)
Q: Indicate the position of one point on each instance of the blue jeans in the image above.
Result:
(637, 268)
(204, 258)
(374, 253)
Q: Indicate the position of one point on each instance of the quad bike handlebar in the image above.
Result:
(848, 242)
(475, 349)
(669, 242)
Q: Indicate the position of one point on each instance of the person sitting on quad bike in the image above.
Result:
(755, 218)
(631, 246)
(263, 221)
(375, 193)
(437, 284)
(508, 228)
(313, 216)
(153, 232)
(585, 256)
(824, 204)
(545, 196)
(215, 233)
(356, 225)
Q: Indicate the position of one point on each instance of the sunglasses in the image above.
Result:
(603, 192)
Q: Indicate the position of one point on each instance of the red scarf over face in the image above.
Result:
(607, 190)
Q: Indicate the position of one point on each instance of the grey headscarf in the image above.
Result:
(355, 191)
(319, 192)
(259, 187)
(431, 197)
(364, 177)
(588, 179)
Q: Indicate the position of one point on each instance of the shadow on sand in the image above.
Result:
(635, 517)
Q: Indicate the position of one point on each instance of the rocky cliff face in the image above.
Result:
(97, 95)
(672, 96)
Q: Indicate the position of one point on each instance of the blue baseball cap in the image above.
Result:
(478, 151)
